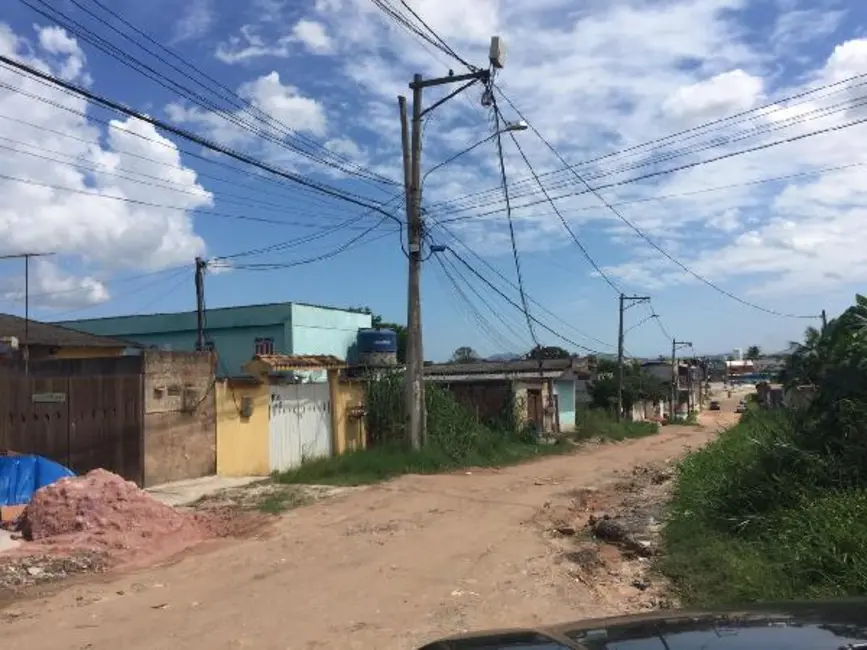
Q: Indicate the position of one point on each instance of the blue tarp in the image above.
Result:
(21, 476)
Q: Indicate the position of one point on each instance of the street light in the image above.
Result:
(510, 127)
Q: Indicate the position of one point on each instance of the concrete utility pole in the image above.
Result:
(201, 265)
(824, 320)
(412, 146)
(625, 303)
(24, 344)
(675, 346)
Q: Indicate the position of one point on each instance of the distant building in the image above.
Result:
(236, 334)
(52, 341)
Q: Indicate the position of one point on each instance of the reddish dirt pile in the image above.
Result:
(101, 512)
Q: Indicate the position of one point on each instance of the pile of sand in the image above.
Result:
(102, 512)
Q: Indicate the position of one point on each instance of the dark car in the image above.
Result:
(714, 405)
(836, 625)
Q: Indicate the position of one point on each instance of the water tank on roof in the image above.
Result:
(377, 347)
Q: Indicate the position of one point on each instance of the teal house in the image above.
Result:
(239, 333)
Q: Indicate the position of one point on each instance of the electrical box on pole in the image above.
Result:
(497, 55)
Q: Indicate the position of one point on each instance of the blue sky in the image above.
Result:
(594, 81)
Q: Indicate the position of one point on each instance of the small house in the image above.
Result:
(46, 341)
(542, 393)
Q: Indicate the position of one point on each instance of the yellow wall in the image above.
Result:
(242, 443)
(86, 353)
(350, 433)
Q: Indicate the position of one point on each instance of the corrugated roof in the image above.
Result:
(300, 361)
(498, 367)
(47, 334)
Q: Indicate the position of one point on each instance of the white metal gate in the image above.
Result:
(300, 424)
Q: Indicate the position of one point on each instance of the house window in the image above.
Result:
(264, 346)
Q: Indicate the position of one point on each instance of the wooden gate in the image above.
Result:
(299, 424)
(90, 416)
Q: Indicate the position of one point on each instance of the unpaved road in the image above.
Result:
(390, 566)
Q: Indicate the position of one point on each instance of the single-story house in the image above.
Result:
(238, 333)
(49, 341)
(543, 394)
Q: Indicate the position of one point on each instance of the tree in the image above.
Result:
(638, 385)
(465, 354)
(548, 352)
(753, 352)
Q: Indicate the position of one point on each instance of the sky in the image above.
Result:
(725, 132)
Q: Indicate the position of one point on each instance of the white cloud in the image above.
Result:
(313, 35)
(724, 94)
(283, 103)
(56, 204)
(196, 21)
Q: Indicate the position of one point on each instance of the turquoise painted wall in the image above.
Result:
(565, 391)
(295, 328)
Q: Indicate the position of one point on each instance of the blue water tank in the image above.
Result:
(377, 347)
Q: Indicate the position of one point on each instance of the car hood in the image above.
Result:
(831, 625)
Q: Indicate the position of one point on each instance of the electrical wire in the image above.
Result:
(80, 31)
(515, 255)
(204, 142)
(513, 286)
(644, 236)
(563, 221)
(241, 103)
(519, 307)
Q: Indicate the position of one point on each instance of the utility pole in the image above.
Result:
(625, 303)
(24, 344)
(824, 320)
(201, 265)
(675, 346)
(412, 148)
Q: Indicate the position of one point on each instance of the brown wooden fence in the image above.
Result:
(82, 413)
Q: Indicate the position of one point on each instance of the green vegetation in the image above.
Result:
(281, 499)
(456, 439)
(599, 424)
(638, 385)
(776, 508)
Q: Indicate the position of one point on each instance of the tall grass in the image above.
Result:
(759, 515)
(456, 439)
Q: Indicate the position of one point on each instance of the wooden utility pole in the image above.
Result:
(631, 300)
(201, 265)
(25, 343)
(675, 346)
(412, 147)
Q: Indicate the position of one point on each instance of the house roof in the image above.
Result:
(498, 367)
(48, 334)
(267, 314)
(281, 362)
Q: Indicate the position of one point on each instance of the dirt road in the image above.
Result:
(389, 566)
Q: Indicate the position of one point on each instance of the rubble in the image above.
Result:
(101, 515)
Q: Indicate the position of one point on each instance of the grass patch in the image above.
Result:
(280, 499)
(385, 462)
(758, 516)
(596, 423)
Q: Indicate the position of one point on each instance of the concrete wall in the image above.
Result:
(487, 400)
(350, 433)
(565, 391)
(321, 330)
(40, 352)
(180, 439)
(242, 442)
(522, 405)
(582, 392)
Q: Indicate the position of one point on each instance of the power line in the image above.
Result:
(245, 105)
(641, 233)
(696, 131)
(519, 307)
(575, 239)
(515, 255)
(204, 142)
(82, 32)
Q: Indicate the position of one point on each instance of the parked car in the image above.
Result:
(714, 405)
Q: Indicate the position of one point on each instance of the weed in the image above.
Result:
(280, 499)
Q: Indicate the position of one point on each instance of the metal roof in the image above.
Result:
(279, 362)
(51, 335)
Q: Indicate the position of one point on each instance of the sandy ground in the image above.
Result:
(390, 566)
